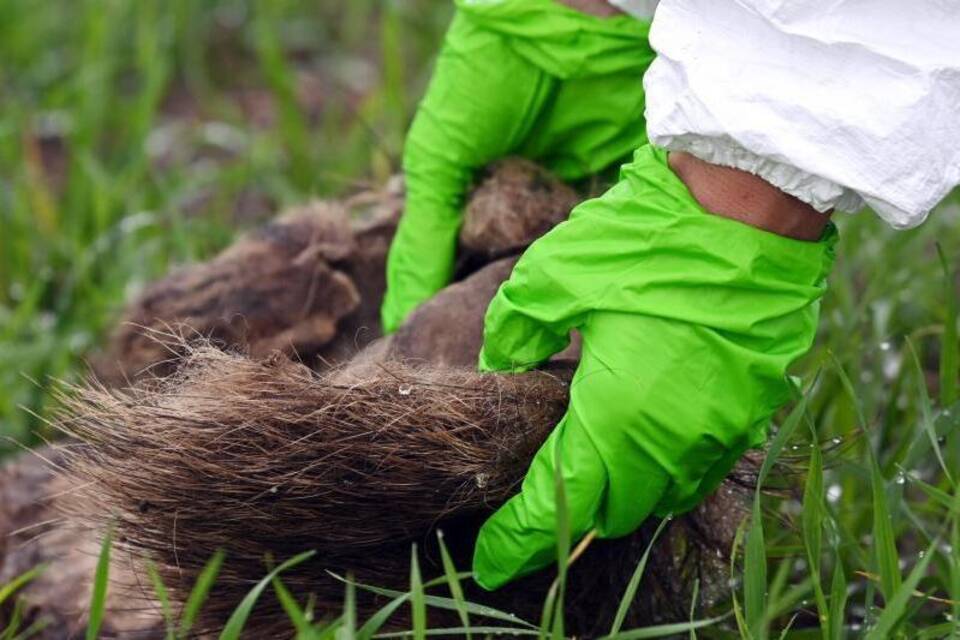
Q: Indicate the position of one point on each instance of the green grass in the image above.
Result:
(136, 135)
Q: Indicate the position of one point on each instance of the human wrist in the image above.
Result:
(742, 196)
(599, 8)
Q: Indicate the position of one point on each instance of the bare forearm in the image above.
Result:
(600, 8)
(736, 194)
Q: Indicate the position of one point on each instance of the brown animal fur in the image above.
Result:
(267, 459)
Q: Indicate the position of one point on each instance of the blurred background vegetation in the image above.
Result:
(137, 134)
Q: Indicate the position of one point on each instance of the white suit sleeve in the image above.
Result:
(837, 102)
(642, 9)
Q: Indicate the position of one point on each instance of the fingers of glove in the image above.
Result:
(480, 103)
(420, 263)
(670, 407)
(557, 280)
(604, 397)
(676, 502)
(521, 536)
(515, 337)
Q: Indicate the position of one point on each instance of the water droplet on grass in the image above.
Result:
(834, 492)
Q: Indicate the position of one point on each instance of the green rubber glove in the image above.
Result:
(514, 77)
(689, 321)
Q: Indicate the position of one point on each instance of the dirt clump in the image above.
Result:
(515, 204)
(310, 283)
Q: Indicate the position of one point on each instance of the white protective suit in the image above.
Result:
(837, 102)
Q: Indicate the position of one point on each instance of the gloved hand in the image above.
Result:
(527, 77)
(689, 321)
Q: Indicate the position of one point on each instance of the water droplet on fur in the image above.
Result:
(481, 480)
(274, 489)
(404, 389)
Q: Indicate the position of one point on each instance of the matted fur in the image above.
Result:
(266, 459)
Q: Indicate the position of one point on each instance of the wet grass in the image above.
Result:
(135, 136)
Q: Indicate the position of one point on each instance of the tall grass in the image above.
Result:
(137, 134)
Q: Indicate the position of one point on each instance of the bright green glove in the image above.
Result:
(527, 77)
(689, 321)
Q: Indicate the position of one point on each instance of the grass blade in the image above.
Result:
(160, 590)
(838, 599)
(664, 630)
(885, 547)
(938, 496)
(98, 601)
(631, 591)
(198, 595)
(755, 558)
(10, 588)
(418, 603)
(954, 573)
(949, 342)
(238, 618)
(348, 628)
(444, 603)
(15, 620)
(926, 410)
(884, 541)
(812, 523)
(693, 606)
(564, 540)
(898, 600)
(755, 574)
(458, 631)
(377, 620)
(737, 612)
(290, 606)
(551, 620)
(453, 581)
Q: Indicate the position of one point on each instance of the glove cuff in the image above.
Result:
(562, 41)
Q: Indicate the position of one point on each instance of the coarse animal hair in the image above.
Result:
(267, 458)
